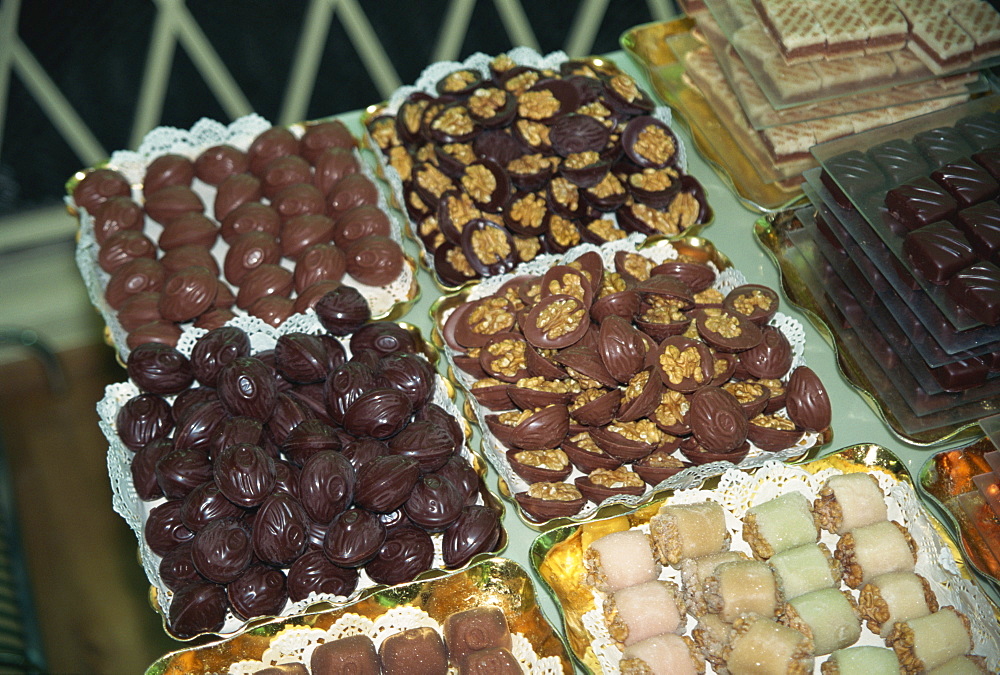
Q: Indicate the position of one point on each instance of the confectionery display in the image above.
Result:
(497, 160)
(262, 223)
(800, 609)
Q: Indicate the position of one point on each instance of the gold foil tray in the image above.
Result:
(557, 555)
(496, 582)
(728, 155)
(797, 262)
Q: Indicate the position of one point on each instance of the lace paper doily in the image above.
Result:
(426, 83)
(128, 505)
(726, 280)
(190, 143)
(296, 643)
(738, 491)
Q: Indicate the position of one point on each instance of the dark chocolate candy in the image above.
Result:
(159, 369)
(354, 654)
(143, 468)
(981, 131)
(938, 251)
(181, 470)
(222, 550)
(384, 338)
(260, 591)
(246, 387)
(899, 160)
(166, 170)
(379, 413)
(197, 608)
(216, 349)
(434, 503)
(981, 225)
(415, 651)
(205, 504)
(142, 419)
(163, 529)
(384, 482)
(301, 358)
(919, 202)
(967, 182)
(342, 310)
(477, 530)
(406, 552)
(326, 485)
(963, 374)
(177, 569)
(313, 573)
(476, 629)
(989, 159)
(279, 530)
(354, 537)
(851, 175)
(135, 276)
(217, 163)
(941, 145)
(98, 186)
(976, 289)
(807, 401)
(717, 420)
(245, 474)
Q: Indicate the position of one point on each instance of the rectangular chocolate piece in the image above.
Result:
(981, 224)
(938, 251)
(967, 182)
(899, 160)
(919, 202)
(976, 289)
(942, 145)
(989, 159)
(982, 131)
(961, 375)
(851, 174)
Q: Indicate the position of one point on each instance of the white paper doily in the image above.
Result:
(737, 491)
(296, 643)
(426, 83)
(135, 511)
(726, 280)
(190, 143)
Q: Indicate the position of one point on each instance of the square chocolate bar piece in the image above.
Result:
(967, 182)
(938, 251)
(355, 654)
(977, 290)
(417, 651)
(851, 175)
(961, 375)
(920, 202)
(899, 160)
(989, 159)
(472, 630)
(942, 145)
(981, 224)
(982, 131)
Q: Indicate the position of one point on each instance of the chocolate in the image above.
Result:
(142, 419)
(139, 275)
(264, 281)
(684, 365)
(321, 136)
(282, 172)
(313, 573)
(578, 133)
(251, 216)
(989, 159)
(192, 255)
(166, 170)
(358, 222)
(938, 250)
(770, 358)
(641, 396)
(196, 429)
(295, 668)
(385, 482)
(234, 191)
(434, 503)
(216, 349)
(354, 537)
(477, 530)
(496, 661)
(473, 630)
(274, 310)
(717, 420)
(539, 430)
(217, 163)
(115, 215)
(246, 387)
(159, 369)
(772, 433)
(899, 160)
(197, 608)
(279, 530)
(332, 165)
(374, 260)
(206, 504)
(177, 569)
(190, 228)
(245, 474)
(807, 401)
(143, 468)
(556, 322)
(187, 294)
(757, 302)
(414, 650)
(163, 529)
(941, 145)
(326, 485)
(171, 202)
(355, 654)
(270, 144)
(214, 318)
(851, 174)
(492, 107)
(260, 591)
(298, 199)
(406, 552)
(962, 374)
(967, 182)
(541, 509)
(727, 331)
(460, 473)
(696, 276)
(976, 289)
(98, 186)
(981, 225)
(301, 358)
(919, 202)
(122, 247)
(161, 332)
(379, 413)
(139, 309)
(249, 251)
(222, 550)
(649, 142)
(300, 233)
(410, 374)
(307, 298)
(352, 190)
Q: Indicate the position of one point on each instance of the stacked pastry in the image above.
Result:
(764, 593)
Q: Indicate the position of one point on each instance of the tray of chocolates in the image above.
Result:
(499, 159)
(603, 376)
(864, 356)
(484, 619)
(929, 194)
(808, 52)
(266, 471)
(961, 484)
(684, 73)
(805, 567)
(247, 219)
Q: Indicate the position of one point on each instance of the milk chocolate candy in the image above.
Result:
(717, 420)
(117, 214)
(122, 247)
(493, 661)
(415, 650)
(135, 276)
(807, 401)
(273, 310)
(197, 608)
(166, 170)
(321, 136)
(770, 358)
(234, 191)
(358, 222)
(374, 260)
(260, 591)
(249, 251)
(171, 202)
(270, 144)
(300, 233)
(332, 165)
(251, 216)
(191, 255)
(282, 172)
(342, 310)
(295, 668)
(214, 318)
(159, 369)
(139, 309)
(222, 550)
(406, 552)
(279, 530)
(474, 630)
(187, 294)
(164, 529)
(265, 281)
(98, 186)
(355, 655)
(351, 190)
(190, 228)
(217, 163)
(298, 199)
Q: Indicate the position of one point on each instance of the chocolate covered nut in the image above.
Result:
(98, 186)
(166, 170)
(807, 401)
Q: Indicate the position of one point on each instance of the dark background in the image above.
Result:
(95, 53)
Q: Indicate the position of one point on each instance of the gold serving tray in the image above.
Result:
(697, 248)
(805, 290)
(496, 582)
(731, 159)
(557, 555)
